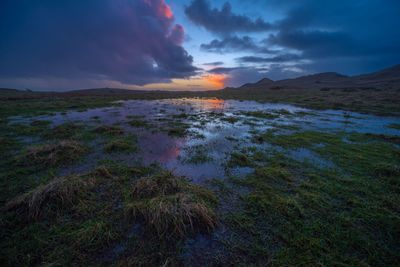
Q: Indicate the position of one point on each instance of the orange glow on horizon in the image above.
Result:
(216, 78)
(215, 100)
(198, 83)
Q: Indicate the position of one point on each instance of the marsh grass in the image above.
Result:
(290, 127)
(139, 123)
(239, 159)
(298, 139)
(63, 131)
(304, 113)
(261, 114)
(108, 130)
(53, 154)
(285, 213)
(121, 145)
(297, 213)
(232, 120)
(197, 155)
(379, 137)
(66, 219)
(8, 145)
(284, 112)
(40, 123)
(171, 206)
(35, 128)
(179, 132)
(231, 138)
(180, 116)
(59, 193)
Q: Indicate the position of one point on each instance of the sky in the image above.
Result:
(63, 45)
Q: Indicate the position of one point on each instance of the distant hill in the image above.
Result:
(387, 78)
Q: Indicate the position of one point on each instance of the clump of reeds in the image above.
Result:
(51, 154)
(110, 130)
(172, 206)
(59, 194)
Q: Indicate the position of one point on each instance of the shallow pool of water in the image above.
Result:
(216, 128)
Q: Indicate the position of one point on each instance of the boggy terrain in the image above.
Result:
(196, 181)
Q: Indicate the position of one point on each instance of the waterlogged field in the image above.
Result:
(200, 182)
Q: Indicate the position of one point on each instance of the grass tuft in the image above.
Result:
(239, 159)
(139, 123)
(261, 114)
(171, 206)
(51, 154)
(109, 130)
(63, 131)
(179, 132)
(232, 120)
(120, 145)
(60, 193)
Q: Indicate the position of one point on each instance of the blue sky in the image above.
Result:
(190, 44)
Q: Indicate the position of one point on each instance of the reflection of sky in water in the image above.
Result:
(169, 151)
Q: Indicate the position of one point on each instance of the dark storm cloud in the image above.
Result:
(280, 58)
(133, 42)
(229, 44)
(222, 70)
(350, 37)
(216, 63)
(317, 43)
(223, 21)
(344, 36)
(233, 44)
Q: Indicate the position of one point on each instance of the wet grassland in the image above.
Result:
(192, 181)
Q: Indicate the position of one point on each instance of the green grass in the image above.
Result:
(181, 116)
(306, 139)
(19, 129)
(232, 120)
(63, 131)
(126, 145)
(239, 159)
(139, 123)
(261, 114)
(108, 130)
(80, 219)
(231, 138)
(8, 144)
(47, 155)
(28, 166)
(65, 226)
(298, 214)
(290, 127)
(59, 194)
(178, 131)
(171, 206)
(34, 103)
(197, 155)
(286, 212)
